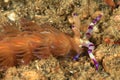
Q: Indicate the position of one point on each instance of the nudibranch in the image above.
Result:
(33, 41)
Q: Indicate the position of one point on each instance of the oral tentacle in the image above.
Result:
(92, 24)
(88, 34)
(91, 47)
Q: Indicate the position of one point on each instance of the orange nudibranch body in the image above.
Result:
(33, 42)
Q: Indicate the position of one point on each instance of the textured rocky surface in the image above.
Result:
(106, 37)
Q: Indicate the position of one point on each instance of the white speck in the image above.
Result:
(6, 1)
(12, 16)
(71, 72)
(95, 29)
(91, 24)
(37, 67)
(51, 21)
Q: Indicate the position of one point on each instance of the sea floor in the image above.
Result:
(105, 36)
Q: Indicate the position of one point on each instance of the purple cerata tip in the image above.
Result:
(90, 27)
(91, 45)
(76, 57)
(95, 21)
(75, 14)
(72, 26)
(88, 34)
(89, 51)
(96, 64)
